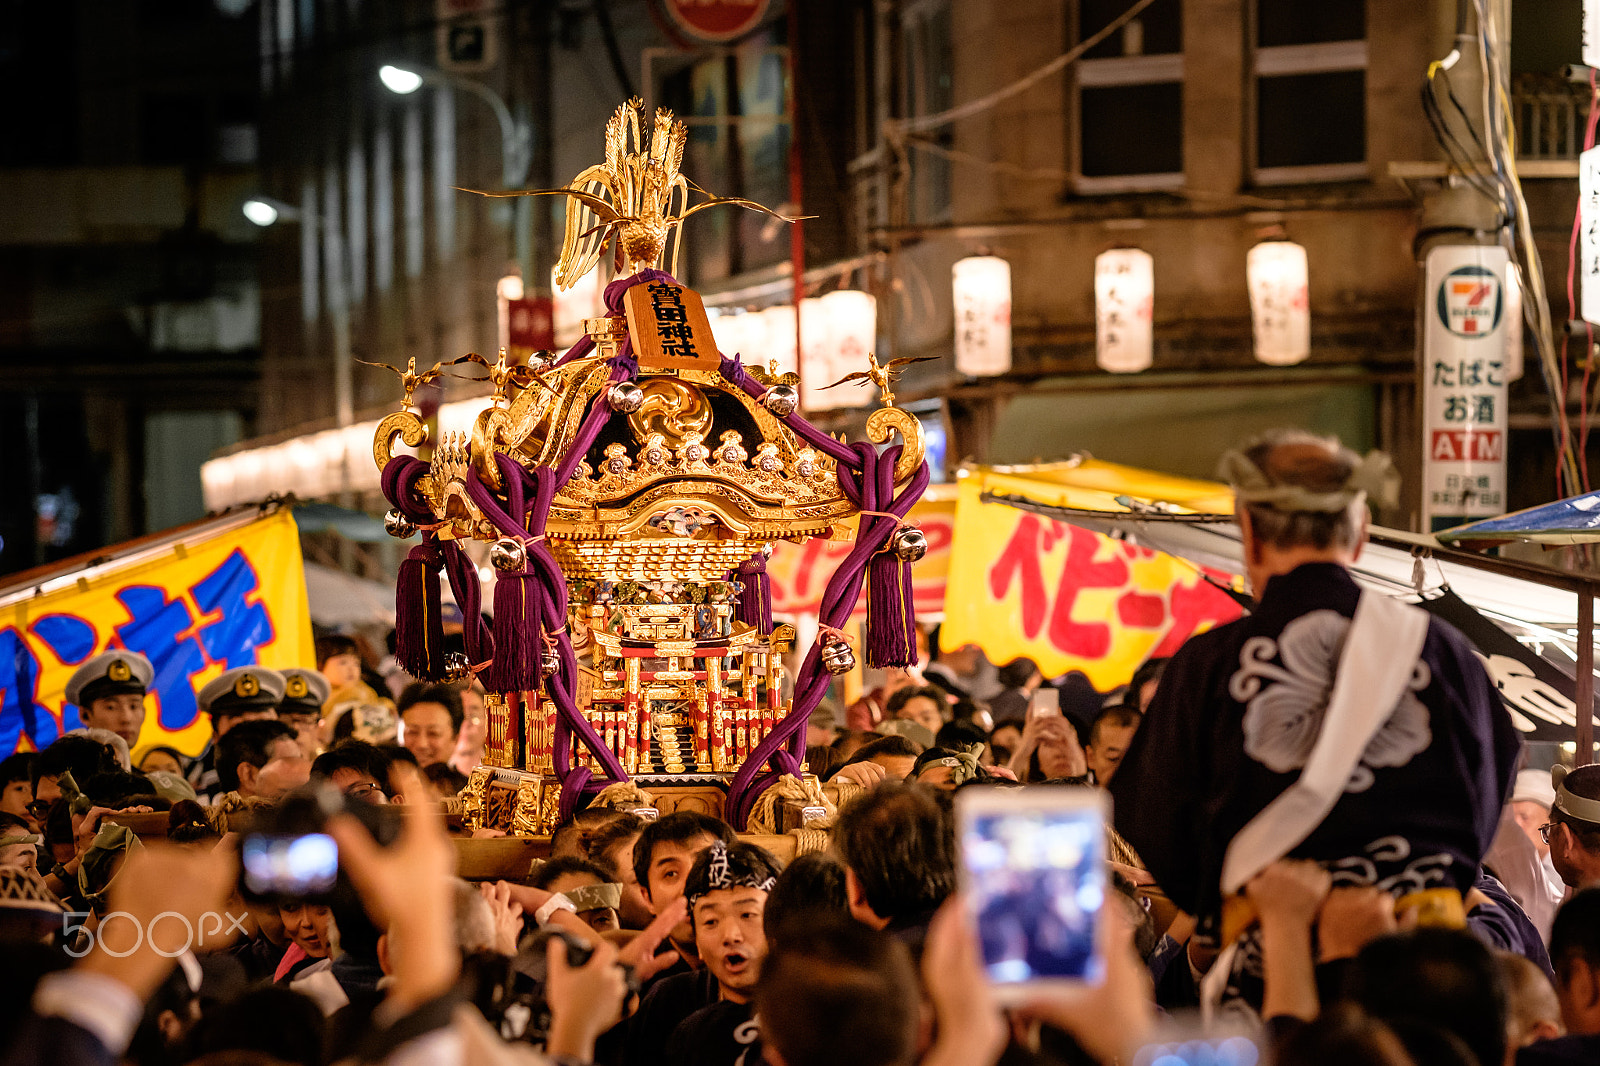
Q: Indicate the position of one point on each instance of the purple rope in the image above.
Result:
(509, 519)
(463, 575)
(399, 481)
(783, 747)
(735, 373)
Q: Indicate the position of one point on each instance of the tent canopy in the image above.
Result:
(1193, 520)
(1575, 520)
(1554, 609)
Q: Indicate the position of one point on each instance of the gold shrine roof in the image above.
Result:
(700, 466)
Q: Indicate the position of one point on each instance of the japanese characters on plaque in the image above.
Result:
(1464, 384)
(1124, 302)
(669, 327)
(1589, 233)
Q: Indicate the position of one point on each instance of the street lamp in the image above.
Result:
(405, 80)
(515, 138)
(399, 79)
(265, 211)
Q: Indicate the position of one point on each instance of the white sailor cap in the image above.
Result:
(304, 691)
(242, 690)
(113, 673)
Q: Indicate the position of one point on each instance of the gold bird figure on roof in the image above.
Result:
(505, 375)
(410, 380)
(882, 376)
(637, 198)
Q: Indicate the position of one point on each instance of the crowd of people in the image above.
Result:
(1324, 847)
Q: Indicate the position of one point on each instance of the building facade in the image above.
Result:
(129, 324)
(917, 133)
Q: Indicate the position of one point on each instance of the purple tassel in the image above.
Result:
(891, 612)
(755, 602)
(419, 620)
(518, 607)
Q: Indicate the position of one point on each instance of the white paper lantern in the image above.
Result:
(981, 292)
(1280, 302)
(1591, 33)
(216, 482)
(853, 318)
(778, 343)
(724, 329)
(247, 476)
(459, 417)
(738, 333)
(817, 365)
(1589, 235)
(1124, 302)
(302, 474)
(586, 299)
(361, 472)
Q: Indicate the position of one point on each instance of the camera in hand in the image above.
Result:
(291, 856)
(511, 992)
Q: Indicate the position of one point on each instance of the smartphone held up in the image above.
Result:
(1033, 872)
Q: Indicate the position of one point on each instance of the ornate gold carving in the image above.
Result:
(527, 817)
(475, 798)
(406, 425)
(886, 420)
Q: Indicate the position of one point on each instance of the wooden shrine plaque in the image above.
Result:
(669, 328)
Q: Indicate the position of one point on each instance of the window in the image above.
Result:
(736, 104)
(174, 128)
(1310, 102)
(929, 89)
(1129, 93)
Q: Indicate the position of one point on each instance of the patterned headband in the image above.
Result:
(1374, 477)
(963, 764)
(595, 897)
(720, 875)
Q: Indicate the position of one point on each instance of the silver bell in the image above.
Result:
(398, 525)
(909, 543)
(508, 555)
(550, 661)
(625, 397)
(781, 400)
(837, 657)
(456, 667)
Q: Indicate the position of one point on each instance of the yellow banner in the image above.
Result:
(800, 572)
(1024, 585)
(203, 606)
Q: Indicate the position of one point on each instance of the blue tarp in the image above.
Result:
(1575, 520)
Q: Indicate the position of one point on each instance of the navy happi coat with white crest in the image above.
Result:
(1234, 720)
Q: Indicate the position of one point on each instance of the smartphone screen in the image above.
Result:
(304, 865)
(1034, 874)
(1201, 1051)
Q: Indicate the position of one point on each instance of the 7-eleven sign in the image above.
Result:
(1464, 374)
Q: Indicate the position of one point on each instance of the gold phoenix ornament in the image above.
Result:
(410, 380)
(882, 376)
(636, 197)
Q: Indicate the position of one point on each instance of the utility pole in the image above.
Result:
(1462, 320)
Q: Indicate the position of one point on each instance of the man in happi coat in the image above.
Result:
(1241, 707)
